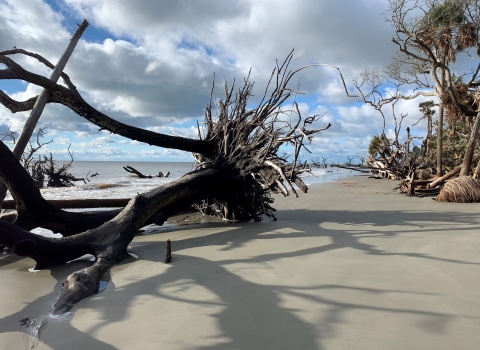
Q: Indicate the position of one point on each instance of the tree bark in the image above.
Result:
(440, 142)
(33, 210)
(74, 101)
(240, 166)
(472, 141)
(476, 175)
(109, 242)
(79, 203)
(41, 101)
(440, 128)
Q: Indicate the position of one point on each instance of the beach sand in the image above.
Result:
(346, 266)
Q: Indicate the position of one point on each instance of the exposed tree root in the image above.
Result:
(239, 166)
(462, 189)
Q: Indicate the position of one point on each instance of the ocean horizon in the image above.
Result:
(113, 181)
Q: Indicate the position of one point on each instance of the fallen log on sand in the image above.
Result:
(451, 174)
(79, 203)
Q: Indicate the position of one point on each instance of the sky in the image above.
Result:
(150, 63)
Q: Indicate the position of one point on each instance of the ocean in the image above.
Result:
(113, 181)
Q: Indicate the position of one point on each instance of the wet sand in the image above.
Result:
(346, 266)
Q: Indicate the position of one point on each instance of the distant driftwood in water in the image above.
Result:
(160, 174)
(362, 169)
(136, 172)
(142, 176)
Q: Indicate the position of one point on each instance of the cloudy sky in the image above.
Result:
(150, 63)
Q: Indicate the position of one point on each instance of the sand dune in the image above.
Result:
(346, 266)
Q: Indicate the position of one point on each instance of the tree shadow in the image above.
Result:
(252, 315)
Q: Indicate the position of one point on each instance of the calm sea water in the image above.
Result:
(114, 182)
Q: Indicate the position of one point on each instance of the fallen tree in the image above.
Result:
(79, 203)
(132, 170)
(238, 167)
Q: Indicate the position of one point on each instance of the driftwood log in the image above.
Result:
(43, 98)
(132, 170)
(168, 256)
(78, 203)
(240, 162)
(451, 173)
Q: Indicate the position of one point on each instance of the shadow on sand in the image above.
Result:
(252, 315)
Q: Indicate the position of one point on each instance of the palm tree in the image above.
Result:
(449, 32)
(427, 110)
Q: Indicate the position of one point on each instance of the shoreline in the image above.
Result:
(345, 266)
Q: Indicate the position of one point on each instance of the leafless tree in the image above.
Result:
(371, 86)
(350, 158)
(319, 163)
(32, 161)
(362, 156)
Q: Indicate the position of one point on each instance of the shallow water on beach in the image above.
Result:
(113, 181)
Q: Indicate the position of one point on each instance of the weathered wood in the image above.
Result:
(31, 123)
(466, 167)
(33, 210)
(109, 242)
(37, 110)
(136, 172)
(168, 256)
(72, 99)
(451, 173)
(239, 165)
(301, 185)
(422, 182)
(476, 174)
(78, 203)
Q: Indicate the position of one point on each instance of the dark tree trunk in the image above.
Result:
(472, 141)
(79, 203)
(33, 210)
(70, 98)
(132, 170)
(109, 242)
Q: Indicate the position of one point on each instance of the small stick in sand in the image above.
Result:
(168, 257)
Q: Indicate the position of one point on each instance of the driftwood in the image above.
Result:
(136, 172)
(160, 174)
(427, 192)
(62, 179)
(432, 187)
(44, 96)
(451, 173)
(240, 163)
(79, 203)
(362, 169)
(34, 211)
(168, 256)
(108, 242)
